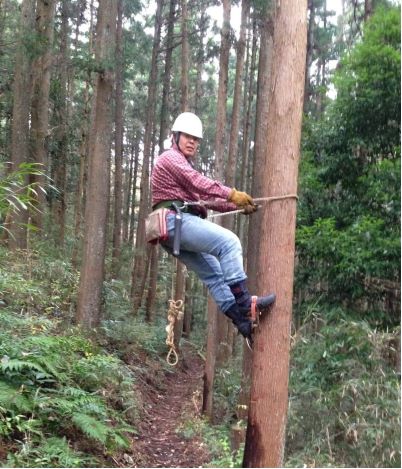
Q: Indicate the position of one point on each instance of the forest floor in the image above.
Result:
(170, 403)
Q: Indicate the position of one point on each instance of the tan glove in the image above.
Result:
(241, 199)
(249, 209)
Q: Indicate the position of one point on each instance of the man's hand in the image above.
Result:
(241, 199)
(249, 209)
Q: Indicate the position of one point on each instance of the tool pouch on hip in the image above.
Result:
(155, 226)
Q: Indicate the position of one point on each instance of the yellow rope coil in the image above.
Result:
(174, 313)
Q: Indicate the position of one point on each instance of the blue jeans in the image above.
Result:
(212, 252)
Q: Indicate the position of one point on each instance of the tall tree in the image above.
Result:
(215, 321)
(96, 209)
(184, 56)
(235, 122)
(45, 10)
(20, 118)
(80, 192)
(264, 74)
(62, 115)
(180, 283)
(140, 267)
(164, 113)
(279, 164)
(118, 145)
(231, 166)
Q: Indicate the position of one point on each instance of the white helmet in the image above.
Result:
(188, 123)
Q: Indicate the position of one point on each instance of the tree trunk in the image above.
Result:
(96, 210)
(264, 75)
(248, 99)
(180, 283)
(118, 145)
(200, 57)
(309, 54)
(20, 120)
(140, 267)
(188, 312)
(231, 166)
(216, 320)
(166, 77)
(265, 439)
(248, 102)
(153, 277)
(45, 11)
(210, 362)
(80, 193)
(134, 187)
(184, 57)
(62, 114)
(234, 128)
(127, 190)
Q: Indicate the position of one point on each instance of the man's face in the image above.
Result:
(188, 144)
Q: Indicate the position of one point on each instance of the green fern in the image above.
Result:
(12, 398)
(92, 427)
(13, 364)
(50, 452)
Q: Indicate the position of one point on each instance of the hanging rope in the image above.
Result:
(174, 314)
(260, 199)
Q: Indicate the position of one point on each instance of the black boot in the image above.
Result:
(243, 324)
(243, 298)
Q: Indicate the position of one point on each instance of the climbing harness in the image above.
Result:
(174, 313)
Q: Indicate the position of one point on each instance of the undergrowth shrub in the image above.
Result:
(344, 407)
(61, 386)
(217, 440)
(34, 282)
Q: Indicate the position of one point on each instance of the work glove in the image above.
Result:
(249, 209)
(241, 199)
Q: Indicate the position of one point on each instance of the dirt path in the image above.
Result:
(159, 443)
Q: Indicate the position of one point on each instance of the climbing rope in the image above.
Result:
(174, 314)
(260, 199)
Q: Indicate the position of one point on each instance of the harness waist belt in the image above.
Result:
(168, 204)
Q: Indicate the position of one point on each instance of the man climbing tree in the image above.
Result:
(213, 252)
(278, 165)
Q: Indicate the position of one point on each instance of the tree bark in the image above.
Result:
(167, 76)
(265, 439)
(62, 114)
(127, 189)
(264, 75)
(140, 267)
(45, 11)
(134, 187)
(80, 193)
(309, 54)
(184, 57)
(96, 210)
(217, 322)
(20, 119)
(231, 166)
(180, 283)
(234, 128)
(118, 145)
(200, 57)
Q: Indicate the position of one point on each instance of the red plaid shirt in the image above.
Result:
(173, 178)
